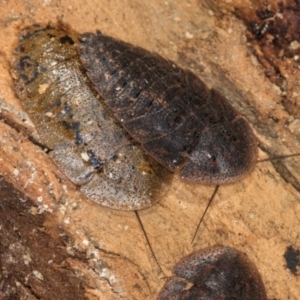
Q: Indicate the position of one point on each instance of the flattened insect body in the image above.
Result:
(179, 121)
(215, 273)
(86, 142)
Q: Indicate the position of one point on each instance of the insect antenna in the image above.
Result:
(277, 157)
(205, 211)
(148, 242)
(285, 173)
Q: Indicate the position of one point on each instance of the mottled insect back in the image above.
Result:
(178, 120)
(86, 142)
(215, 273)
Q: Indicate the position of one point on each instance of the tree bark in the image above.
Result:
(106, 250)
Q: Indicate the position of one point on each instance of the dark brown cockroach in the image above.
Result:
(215, 273)
(176, 118)
(85, 141)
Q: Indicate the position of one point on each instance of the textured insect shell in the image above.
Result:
(179, 121)
(214, 273)
(86, 142)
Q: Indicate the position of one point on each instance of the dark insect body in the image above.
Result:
(86, 142)
(215, 273)
(176, 118)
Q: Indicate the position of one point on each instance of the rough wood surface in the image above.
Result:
(258, 215)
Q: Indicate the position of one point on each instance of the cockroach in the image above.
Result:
(85, 141)
(177, 119)
(214, 273)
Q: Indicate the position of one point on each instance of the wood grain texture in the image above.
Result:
(258, 215)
